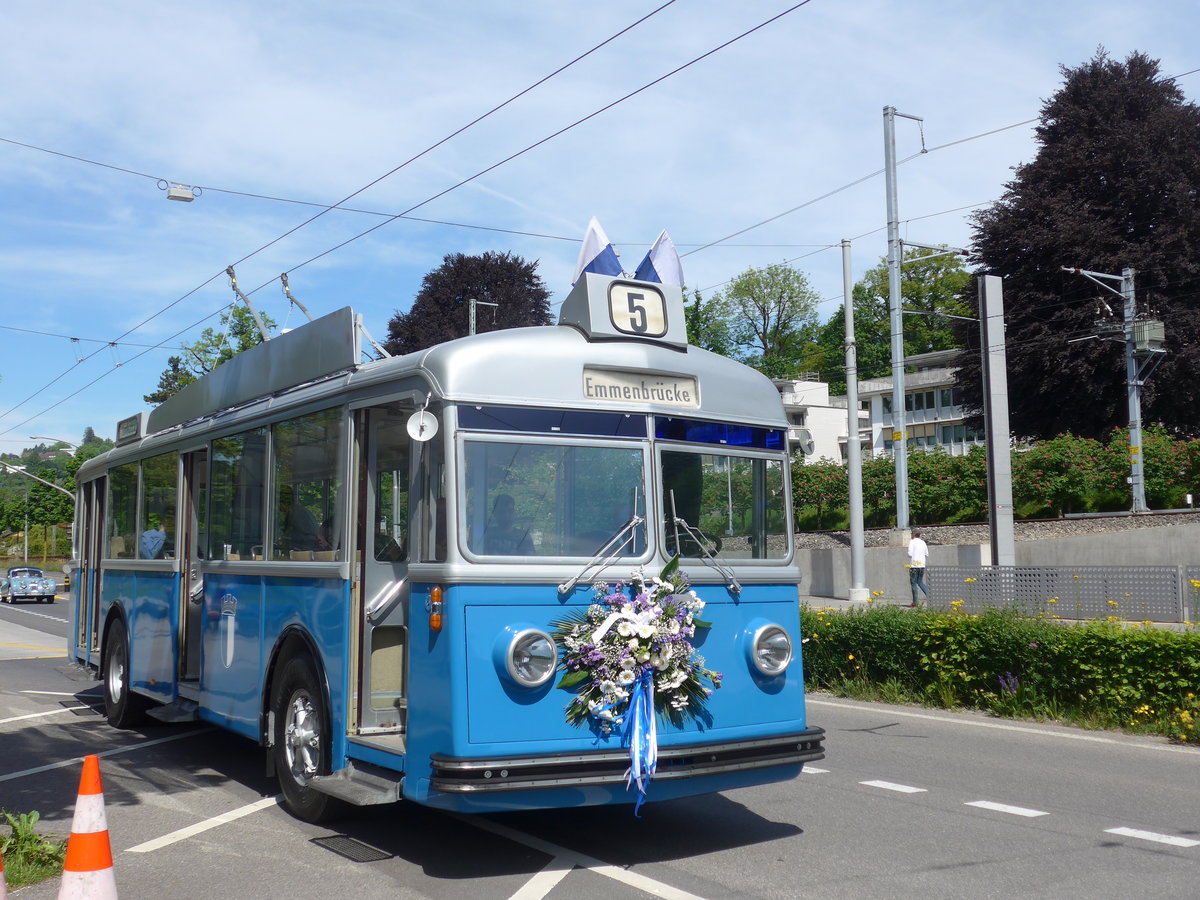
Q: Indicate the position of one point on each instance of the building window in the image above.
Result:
(887, 405)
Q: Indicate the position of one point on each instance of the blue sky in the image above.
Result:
(310, 101)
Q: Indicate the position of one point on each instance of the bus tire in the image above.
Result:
(122, 707)
(302, 740)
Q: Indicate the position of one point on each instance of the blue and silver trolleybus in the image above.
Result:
(371, 569)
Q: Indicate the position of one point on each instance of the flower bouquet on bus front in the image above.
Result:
(633, 646)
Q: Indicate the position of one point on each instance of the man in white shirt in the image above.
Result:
(918, 553)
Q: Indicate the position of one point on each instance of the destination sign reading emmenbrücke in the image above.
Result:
(637, 387)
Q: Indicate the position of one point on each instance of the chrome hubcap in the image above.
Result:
(302, 738)
(116, 679)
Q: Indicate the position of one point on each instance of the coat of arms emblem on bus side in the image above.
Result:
(228, 627)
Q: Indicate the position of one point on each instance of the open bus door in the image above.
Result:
(87, 576)
(192, 540)
(383, 542)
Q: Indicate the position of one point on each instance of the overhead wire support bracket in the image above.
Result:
(262, 328)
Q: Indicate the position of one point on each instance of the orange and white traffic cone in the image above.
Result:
(88, 871)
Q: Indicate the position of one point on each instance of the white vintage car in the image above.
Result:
(26, 583)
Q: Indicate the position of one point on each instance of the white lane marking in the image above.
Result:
(892, 786)
(1153, 836)
(632, 879)
(1005, 808)
(541, 884)
(30, 612)
(38, 715)
(62, 693)
(75, 761)
(192, 830)
(1169, 748)
(812, 770)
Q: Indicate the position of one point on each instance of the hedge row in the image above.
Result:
(1097, 674)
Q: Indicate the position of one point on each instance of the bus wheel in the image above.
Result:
(302, 740)
(122, 707)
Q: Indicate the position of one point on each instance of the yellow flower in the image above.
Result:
(956, 604)
(1112, 618)
(1052, 600)
(1195, 583)
(1076, 577)
(850, 656)
(968, 580)
(1114, 602)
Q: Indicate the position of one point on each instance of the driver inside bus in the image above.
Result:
(502, 535)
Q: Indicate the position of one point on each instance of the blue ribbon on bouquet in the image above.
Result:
(642, 735)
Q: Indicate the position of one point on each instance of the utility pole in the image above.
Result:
(858, 564)
(473, 303)
(895, 306)
(995, 411)
(1142, 339)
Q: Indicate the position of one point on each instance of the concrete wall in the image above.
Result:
(826, 573)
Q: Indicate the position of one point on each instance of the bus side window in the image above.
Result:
(122, 511)
(306, 487)
(236, 495)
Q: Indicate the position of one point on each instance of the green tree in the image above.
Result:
(238, 332)
(930, 290)
(771, 318)
(1113, 185)
(441, 311)
(705, 327)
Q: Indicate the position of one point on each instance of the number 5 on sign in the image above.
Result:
(637, 310)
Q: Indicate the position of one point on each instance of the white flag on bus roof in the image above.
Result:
(662, 263)
(597, 254)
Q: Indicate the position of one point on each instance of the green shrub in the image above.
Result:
(1099, 674)
(29, 857)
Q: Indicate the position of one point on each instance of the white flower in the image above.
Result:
(657, 661)
(672, 626)
(645, 631)
(626, 676)
(625, 629)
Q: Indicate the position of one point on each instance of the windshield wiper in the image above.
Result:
(702, 542)
(599, 561)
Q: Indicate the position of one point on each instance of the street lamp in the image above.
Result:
(45, 437)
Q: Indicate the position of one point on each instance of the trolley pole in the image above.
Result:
(858, 562)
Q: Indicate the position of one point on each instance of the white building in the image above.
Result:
(817, 423)
(933, 412)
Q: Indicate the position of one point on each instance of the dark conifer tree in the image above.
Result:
(441, 311)
(1115, 183)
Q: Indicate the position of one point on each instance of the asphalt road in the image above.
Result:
(909, 803)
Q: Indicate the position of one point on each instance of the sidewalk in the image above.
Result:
(839, 603)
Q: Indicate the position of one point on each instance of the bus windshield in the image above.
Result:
(542, 499)
(730, 507)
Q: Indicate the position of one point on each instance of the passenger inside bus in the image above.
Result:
(153, 539)
(502, 535)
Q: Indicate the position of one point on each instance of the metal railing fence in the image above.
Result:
(1130, 593)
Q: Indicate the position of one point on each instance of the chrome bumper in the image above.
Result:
(604, 767)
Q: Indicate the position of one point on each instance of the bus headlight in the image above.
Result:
(771, 649)
(531, 657)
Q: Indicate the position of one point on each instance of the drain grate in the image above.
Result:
(352, 849)
(84, 708)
